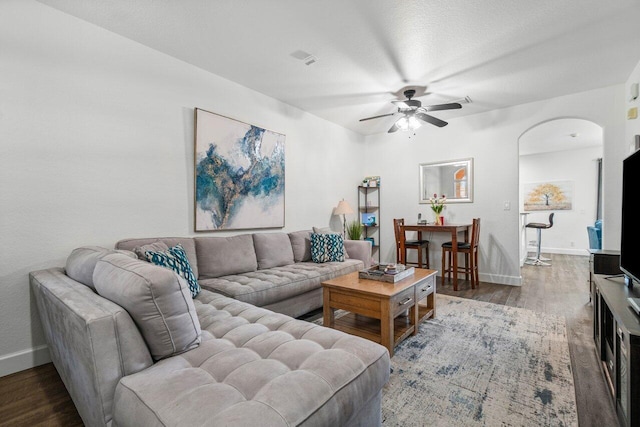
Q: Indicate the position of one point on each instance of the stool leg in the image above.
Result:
(442, 272)
(427, 250)
(537, 261)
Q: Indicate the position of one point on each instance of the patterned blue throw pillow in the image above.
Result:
(327, 247)
(175, 259)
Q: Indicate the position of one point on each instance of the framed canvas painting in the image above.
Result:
(548, 196)
(239, 174)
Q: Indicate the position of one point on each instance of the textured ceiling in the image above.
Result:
(498, 52)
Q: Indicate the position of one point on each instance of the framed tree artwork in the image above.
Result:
(548, 196)
(239, 174)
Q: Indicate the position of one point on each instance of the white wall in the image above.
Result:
(633, 126)
(569, 232)
(96, 140)
(492, 140)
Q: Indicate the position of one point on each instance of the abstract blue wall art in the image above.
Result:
(239, 174)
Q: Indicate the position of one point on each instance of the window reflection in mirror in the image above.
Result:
(452, 178)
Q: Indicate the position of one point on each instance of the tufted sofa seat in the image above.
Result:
(255, 367)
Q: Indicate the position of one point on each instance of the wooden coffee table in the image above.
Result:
(383, 312)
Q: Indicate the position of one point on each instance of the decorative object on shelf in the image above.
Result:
(437, 205)
(371, 181)
(368, 219)
(354, 230)
(239, 174)
(371, 239)
(343, 209)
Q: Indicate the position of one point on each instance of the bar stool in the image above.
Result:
(419, 245)
(470, 251)
(539, 226)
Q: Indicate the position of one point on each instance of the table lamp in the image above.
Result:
(343, 209)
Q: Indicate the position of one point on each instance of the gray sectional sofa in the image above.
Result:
(135, 349)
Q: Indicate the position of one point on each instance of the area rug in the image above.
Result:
(482, 364)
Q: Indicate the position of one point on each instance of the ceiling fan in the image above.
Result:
(412, 112)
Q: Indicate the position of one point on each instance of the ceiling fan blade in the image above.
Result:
(407, 103)
(452, 106)
(394, 128)
(377, 117)
(430, 119)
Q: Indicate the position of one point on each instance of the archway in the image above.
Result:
(566, 153)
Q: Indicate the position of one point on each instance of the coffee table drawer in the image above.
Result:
(425, 288)
(403, 301)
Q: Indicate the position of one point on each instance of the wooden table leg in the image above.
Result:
(386, 326)
(414, 313)
(454, 253)
(328, 318)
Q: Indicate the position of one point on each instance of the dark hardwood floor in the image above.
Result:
(38, 397)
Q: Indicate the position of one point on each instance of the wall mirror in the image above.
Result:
(453, 178)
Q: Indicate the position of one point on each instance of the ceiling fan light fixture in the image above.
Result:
(414, 123)
(403, 123)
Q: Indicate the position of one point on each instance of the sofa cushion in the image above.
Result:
(264, 287)
(255, 367)
(176, 260)
(220, 256)
(272, 250)
(327, 247)
(157, 299)
(301, 245)
(187, 243)
(82, 261)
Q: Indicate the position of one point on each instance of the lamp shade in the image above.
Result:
(343, 208)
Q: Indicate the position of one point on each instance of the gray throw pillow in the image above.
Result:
(157, 299)
(324, 230)
(301, 245)
(158, 246)
(272, 250)
(82, 261)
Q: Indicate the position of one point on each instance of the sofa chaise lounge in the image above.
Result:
(135, 349)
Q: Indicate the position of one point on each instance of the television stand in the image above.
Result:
(616, 333)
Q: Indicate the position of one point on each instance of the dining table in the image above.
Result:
(452, 229)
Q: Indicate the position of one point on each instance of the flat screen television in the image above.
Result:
(630, 230)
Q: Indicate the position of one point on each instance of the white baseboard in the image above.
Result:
(563, 251)
(499, 279)
(25, 359)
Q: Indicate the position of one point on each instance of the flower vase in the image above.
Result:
(438, 219)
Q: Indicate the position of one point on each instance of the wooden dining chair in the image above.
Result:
(419, 245)
(470, 251)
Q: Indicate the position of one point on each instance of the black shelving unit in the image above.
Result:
(369, 203)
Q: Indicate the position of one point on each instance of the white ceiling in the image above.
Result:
(498, 52)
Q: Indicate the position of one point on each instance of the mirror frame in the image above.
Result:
(468, 162)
